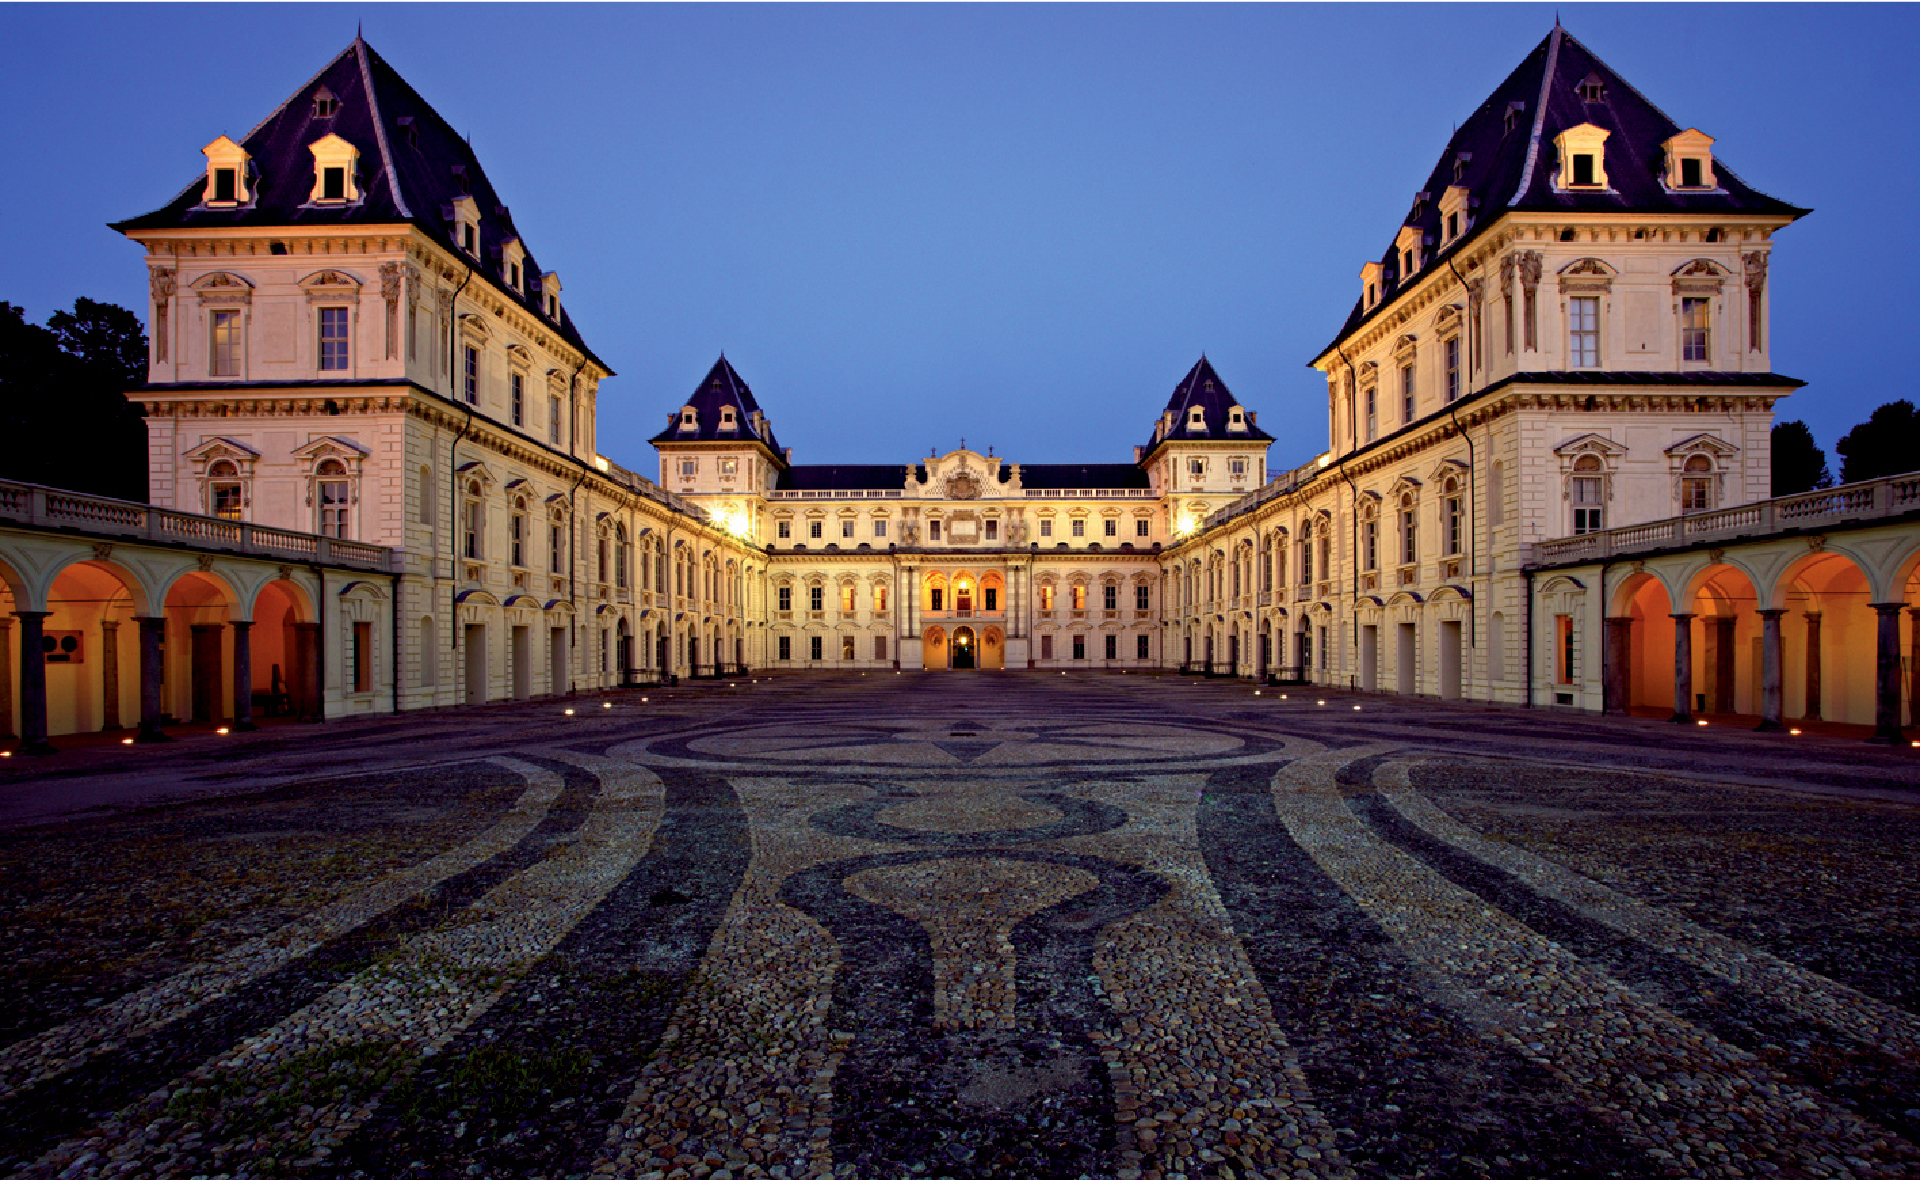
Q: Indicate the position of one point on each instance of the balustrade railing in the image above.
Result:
(1868, 500)
(103, 516)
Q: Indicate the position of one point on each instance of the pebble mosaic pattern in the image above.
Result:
(969, 926)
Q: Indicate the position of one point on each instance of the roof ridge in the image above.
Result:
(1540, 112)
(361, 50)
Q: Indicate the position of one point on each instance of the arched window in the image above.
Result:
(1452, 519)
(331, 494)
(517, 533)
(557, 542)
(1369, 535)
(1586, 490)
(1079, 596)
(1409, 530)
(473, 522)
(1306, 553)
(620, 556)
(223, 490)
(1696, 485)
(1046, 596)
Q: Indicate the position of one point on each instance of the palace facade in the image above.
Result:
(1549, 409)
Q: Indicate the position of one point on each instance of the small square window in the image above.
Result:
(689, 466)
(1237, 466)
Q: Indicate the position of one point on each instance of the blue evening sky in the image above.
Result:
(1020, 224)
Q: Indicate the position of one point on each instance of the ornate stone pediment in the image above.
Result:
(963, 485)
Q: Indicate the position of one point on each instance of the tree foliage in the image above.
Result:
(64, 417)
(1887, 443)
(1798, 465)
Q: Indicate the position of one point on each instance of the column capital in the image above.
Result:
(1681, 617)
(1771, 612)
(1811, 614)
(31, 614)
(1886, 608)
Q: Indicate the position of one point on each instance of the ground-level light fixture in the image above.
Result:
(569, 712)
(1793, 733)
(1319, 702)
(126, 741)
(222, 729)
(606, 704)
(1700, 723)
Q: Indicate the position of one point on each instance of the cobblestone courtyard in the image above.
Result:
(963, 925)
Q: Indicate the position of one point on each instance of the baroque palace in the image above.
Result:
(376, 484)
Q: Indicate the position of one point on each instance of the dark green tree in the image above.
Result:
(65, 420)
(1887, 443)
(1798, 465)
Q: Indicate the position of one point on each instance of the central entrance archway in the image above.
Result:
(964, 644)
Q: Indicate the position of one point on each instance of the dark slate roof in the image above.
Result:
(845, 477)
(1513, 168)
(1705, 379)
(1202, 387)
(413, 166)
(721, 387)
(1082, 475)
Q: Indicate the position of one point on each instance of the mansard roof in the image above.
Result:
(1509, 163)
(720, 388)
(413, 166)
(1084, 476)
(1202, 387)
(843, 477)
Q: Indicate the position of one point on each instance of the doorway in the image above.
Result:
(557, 679)
(1450, 660)
(476, 644)
(1404, 659)
(1370, 658)
(963, 648)
(522, 642)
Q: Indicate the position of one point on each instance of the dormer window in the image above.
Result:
(1454, 206)
(1515, 109)
(227, 165)
(1196, 419)
(727, 421)
(461, 178)
(325, 105)
(1690, 161)
(1372, 280)
(1408, 244)
(689, 420)
(511, 256)
(410, 129)
(1460, 162)
(335, 163)
(1593, 88)
(1582, 157)
(466, 219)
(550, 285)
(1236, 419)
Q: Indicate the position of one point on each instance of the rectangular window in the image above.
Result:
(1113, 647)
(846, 599)
(816, 598)
(553, 420)
(1079, 647)
(333, 184)
(1694, 322)
(1143, 527)
(1583, 332)
(472, 370)
(1563, 649)
(1112, 528)
(933, 530)
(1143, 648)
(879, 528)
(333, 338)
(333, 508)
(1046, 528)
(813, 530)
(1454, 518)
(729, 466)
(689, 466)
(813, 647)
(1409, 537)
(1373, 413)
(516, 539)
(224, 188)
(846, 530)
(784, 530)
(517, 398)
(226, 344)
(880, 600)
(993, 530)
(784, 595)
(1236, 466)
(471, 530)
(846, 647)
(1196, 467)
(1110, 597)
(1690, 173)
(226, 501)
(786, 647)
(1583, 169)
(1695, 495)
(1142, 597)
(1589, 510)
(990, 598)
(936, 597)
(556, 548)
(1046, 647)
(879, 647)
(1370, 544)
(1079, 528)
(1406, 393)
(363, 657)
(1452, 349)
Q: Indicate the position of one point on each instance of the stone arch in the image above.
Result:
(934, 648)
(1828, 630)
